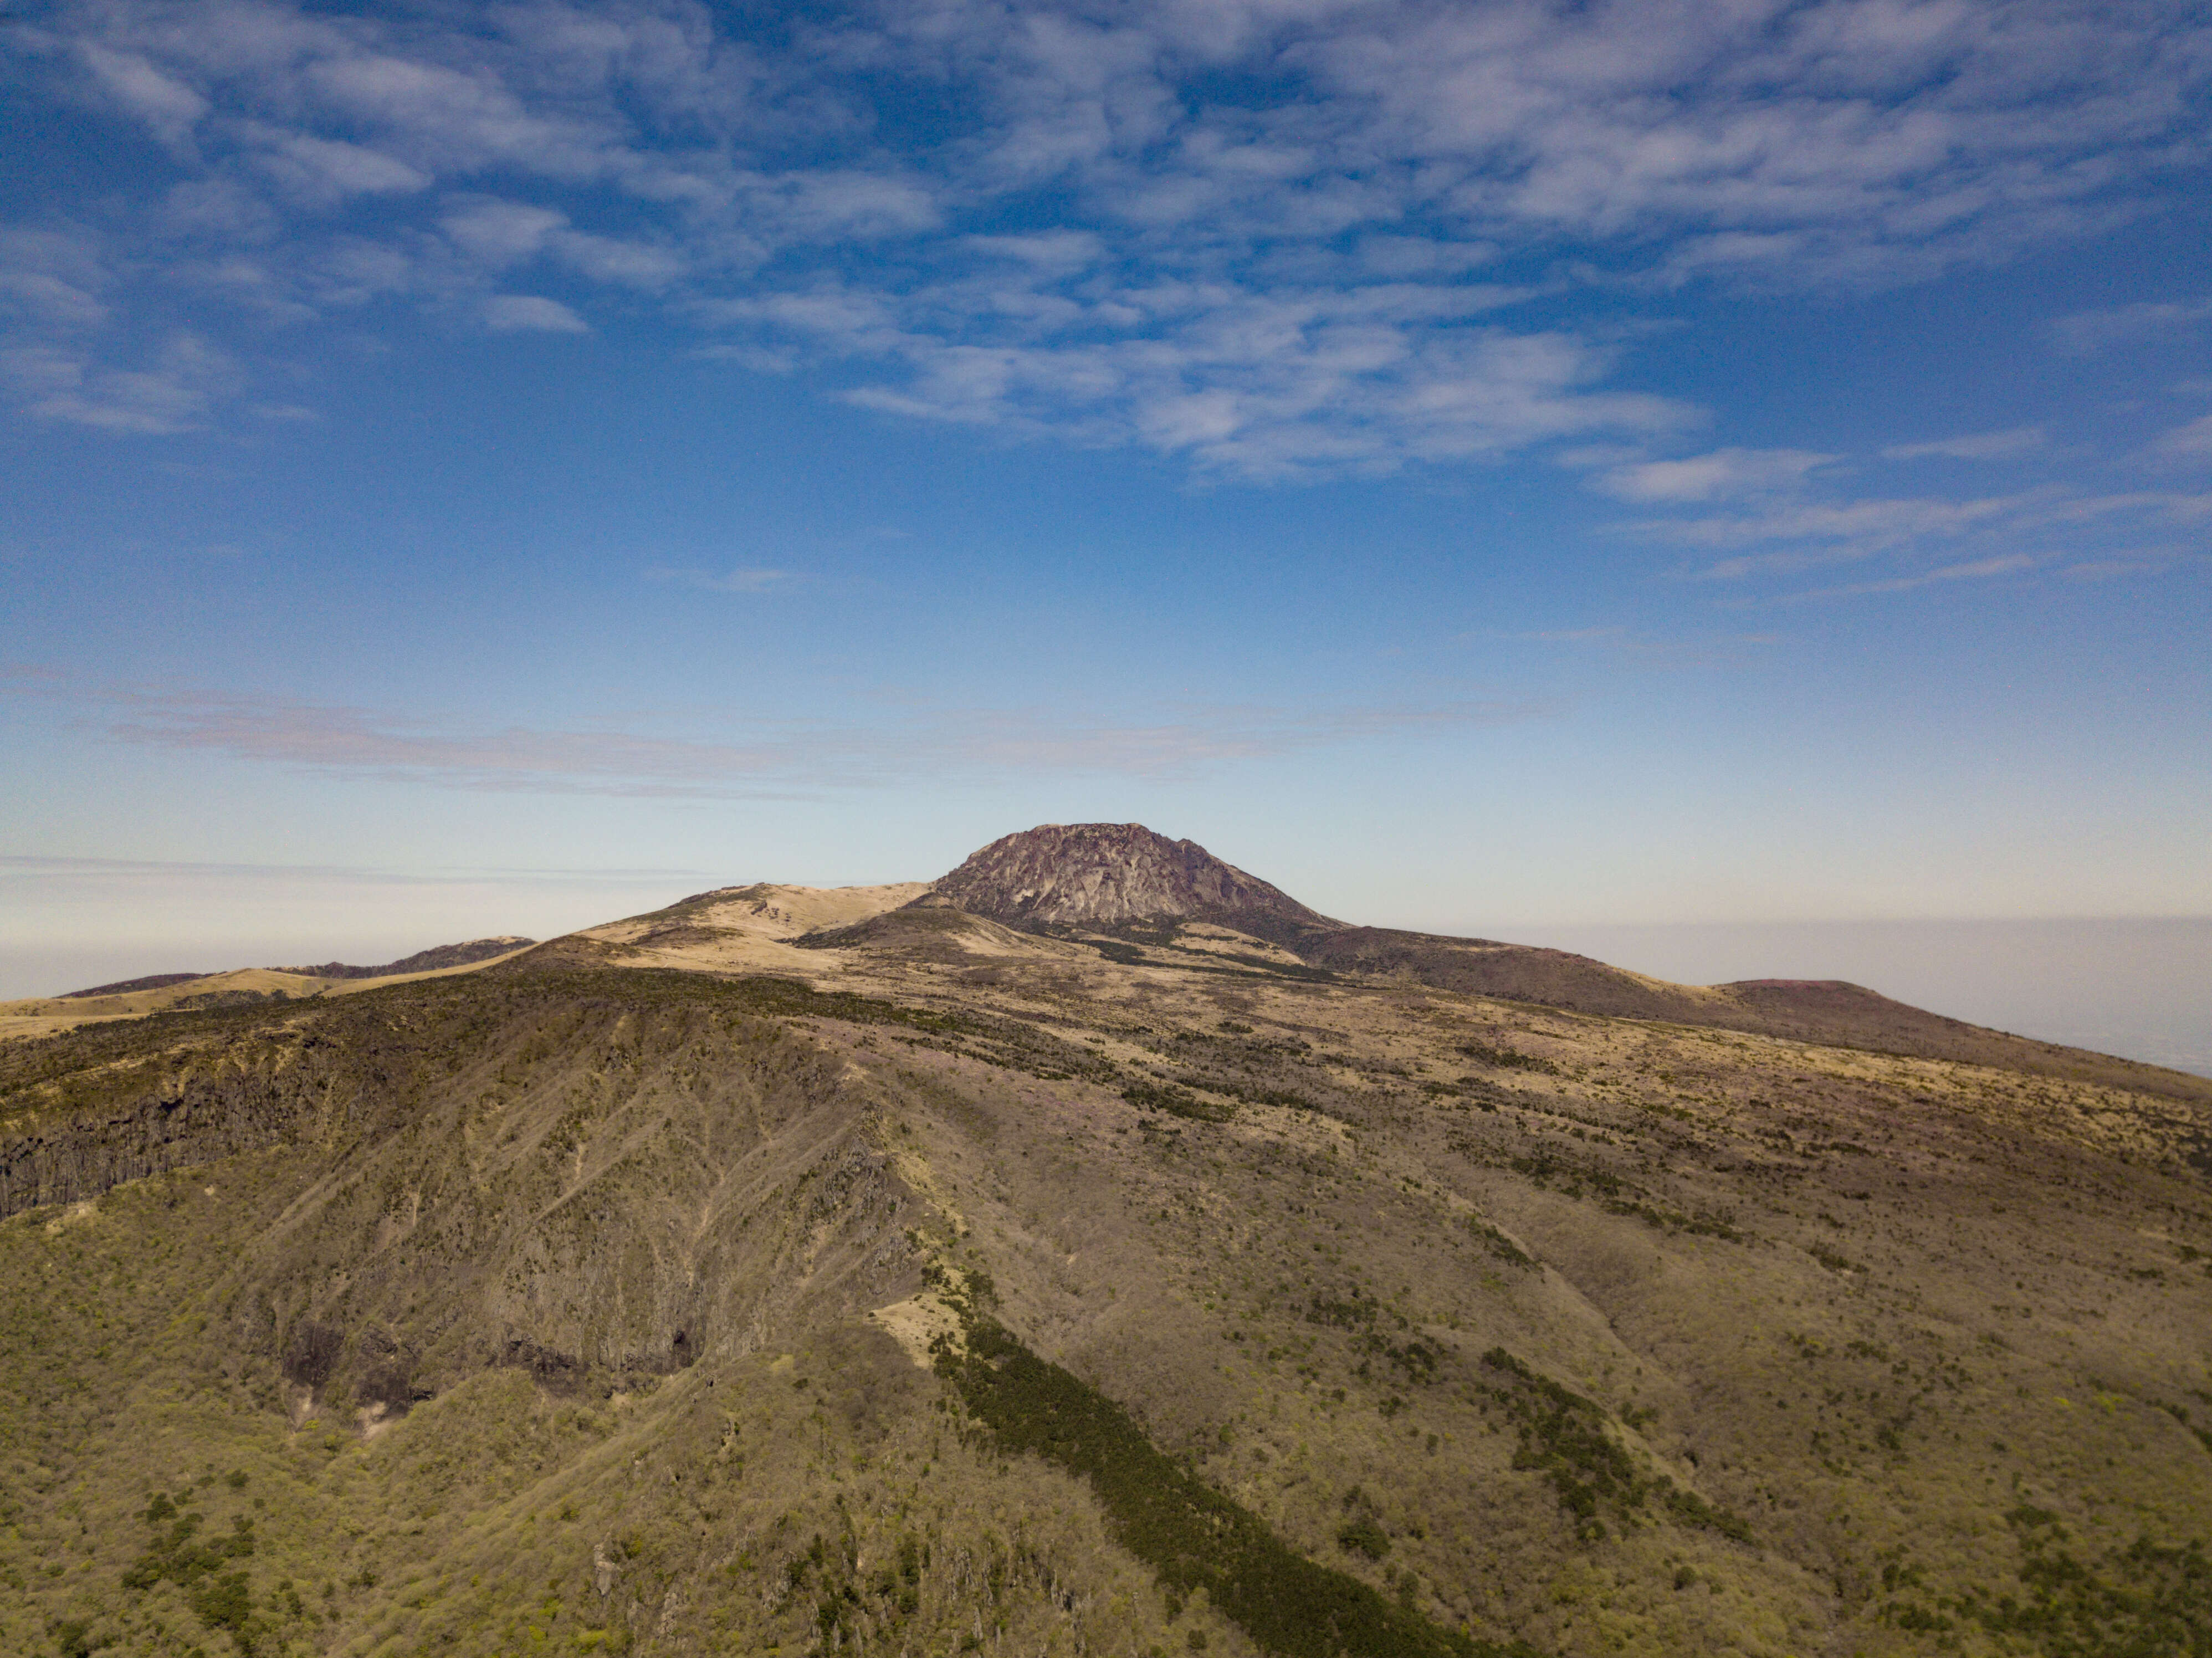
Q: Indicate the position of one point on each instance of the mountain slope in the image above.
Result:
(423, 961)
(125, 987)
(1816, 1010)
(175, 992)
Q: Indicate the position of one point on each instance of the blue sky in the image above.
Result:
(1482, 466)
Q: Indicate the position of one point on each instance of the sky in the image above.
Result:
(1487, 467)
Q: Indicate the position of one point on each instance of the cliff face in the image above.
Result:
(192, 1104)
(488, 1172)
(1107, 874)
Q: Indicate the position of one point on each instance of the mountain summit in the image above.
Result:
(1106, 874)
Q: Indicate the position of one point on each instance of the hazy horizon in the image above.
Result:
(2139, 986)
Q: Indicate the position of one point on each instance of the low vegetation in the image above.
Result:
(1195, 1537)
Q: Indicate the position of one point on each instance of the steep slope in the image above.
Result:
(1105, 875)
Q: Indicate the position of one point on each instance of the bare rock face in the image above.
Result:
(1106, 874)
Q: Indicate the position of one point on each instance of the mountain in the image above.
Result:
(1805, 1010)
(817, 1270)
(1123, 879)
(1110, 874)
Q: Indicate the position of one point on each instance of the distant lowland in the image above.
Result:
(1093, 1250)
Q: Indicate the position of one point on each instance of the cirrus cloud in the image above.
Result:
(508, 314)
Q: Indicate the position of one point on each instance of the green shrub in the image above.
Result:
(1191, 1535)
(73, 1637)
(1176, 1102)
(226, 1602)
(1565, 1437)
(1364, 1536)
(1506, 1059)
(175, 1556)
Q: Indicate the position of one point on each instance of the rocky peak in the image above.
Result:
(1105, 874)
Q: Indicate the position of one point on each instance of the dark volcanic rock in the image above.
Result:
(1107, 874)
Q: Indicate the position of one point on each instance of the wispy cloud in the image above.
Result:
(1816, 533)
(1981, 446)
(2085, 332)
(782, 760)
(2189, 442)
(1778, 513)
(508, 314)
(1646, 650)
(1720, 475)
(2051, 527)
(743, 580)
(22, 869)
(52, 281)
(1979, 569)
(1300, 279)
(172, 392)
(1573, 635)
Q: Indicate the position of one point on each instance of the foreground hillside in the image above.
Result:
(803, 1273)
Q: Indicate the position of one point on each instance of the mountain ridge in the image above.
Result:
(423, 961)
(1139, 891)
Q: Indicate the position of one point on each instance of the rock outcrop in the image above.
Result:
(1106, 874)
